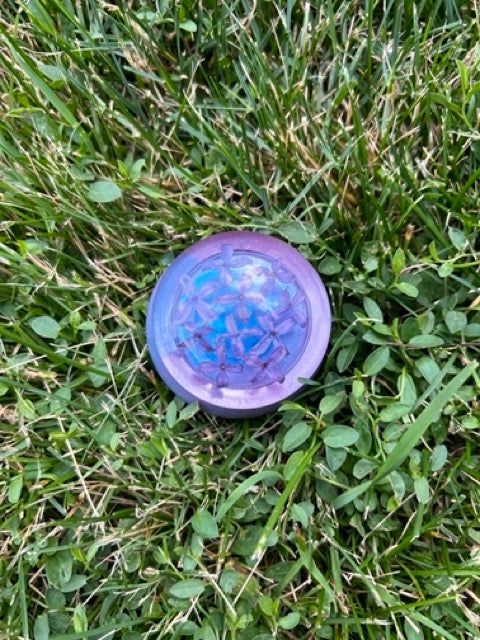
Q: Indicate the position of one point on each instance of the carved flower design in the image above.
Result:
(197, 337)
(292, 307)
(272, 331)
(241, 296)
(240, 319)
(235, 335)
(277, 271)
(195, 301)
(221, 368)
(227, 261)
(267, 371)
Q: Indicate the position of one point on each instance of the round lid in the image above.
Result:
(235, 321)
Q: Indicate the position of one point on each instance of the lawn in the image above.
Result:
(129, 130)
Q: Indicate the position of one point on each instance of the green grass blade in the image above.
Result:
(303, 463)
(242, 488)
(24, 62)
(431, 413)
(431, 624)
(412, 436)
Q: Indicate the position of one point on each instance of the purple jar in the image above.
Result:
(235, 321)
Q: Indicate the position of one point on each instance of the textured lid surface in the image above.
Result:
(235, 320)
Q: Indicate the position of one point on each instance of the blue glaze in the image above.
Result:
(240, 319)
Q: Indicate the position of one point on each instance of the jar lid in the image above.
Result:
(234, 322)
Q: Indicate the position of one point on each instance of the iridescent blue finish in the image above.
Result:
(240, 319)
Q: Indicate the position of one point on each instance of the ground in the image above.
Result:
(131, 129)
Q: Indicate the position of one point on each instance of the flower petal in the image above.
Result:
(222, 379)
(277, 354)
(269, 282)
(261, 373)
(266, 322)
(285, 276)
(284, 301)
(220, 352)
(238, 347)
(242, 312)
(226, 253)
(275, 375)
(234, 368)
(300, 317)
(253, 361)
(240, 261)
(285, 326)
(252, 331)
(230, 324)
(207, 289)
(282, 273)
(225, 275)
(182, 312)
(187, 285)
(245, 283)
(227, 298)
(202, 343)
(298, 298)
(204, 331)
(255, 298)
(207, 367)
(262, 345)
(205, 311)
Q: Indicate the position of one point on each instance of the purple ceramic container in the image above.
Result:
(235, 321)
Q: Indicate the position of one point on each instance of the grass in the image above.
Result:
(129, 130)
